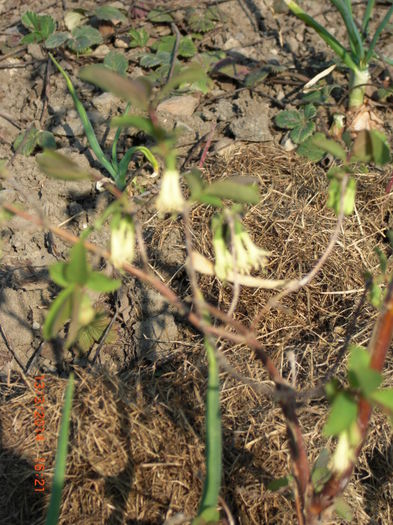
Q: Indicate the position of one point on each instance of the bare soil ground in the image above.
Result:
(137, 430)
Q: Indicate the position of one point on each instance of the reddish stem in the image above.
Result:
(379, 345)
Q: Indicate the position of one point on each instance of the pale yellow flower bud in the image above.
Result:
(170, 199)
(122, 241)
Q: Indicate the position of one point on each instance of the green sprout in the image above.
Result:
(117, 169)
(208, 512)
(358, 57)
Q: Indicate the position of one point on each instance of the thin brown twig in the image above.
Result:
(207, 145)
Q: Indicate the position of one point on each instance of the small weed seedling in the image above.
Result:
(300, 122)
(79, 38)
(359, 55)
(116, 169)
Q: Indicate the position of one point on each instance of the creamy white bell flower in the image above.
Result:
(248, 255)
(223, 259)
(170, 199)
(122, 241)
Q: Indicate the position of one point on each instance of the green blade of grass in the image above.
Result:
(61, 456)
(354, 36)
(377, 34)
(367, 16)
(91, 137)
(331, 41)
(123, 165)
(208, 512)
(116, 139)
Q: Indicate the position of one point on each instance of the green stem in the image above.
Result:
(61, 456)
(357, 85)
(331, 41)
(208, 512)
(116, 139)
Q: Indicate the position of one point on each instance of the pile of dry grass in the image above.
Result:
(136, 451)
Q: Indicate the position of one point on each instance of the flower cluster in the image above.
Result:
(246, 255)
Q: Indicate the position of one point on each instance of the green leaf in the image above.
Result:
(41, 25)
(329, 146)
(360, 374)
(77, 270)
(366, 380)
(186, 47)
(334, 195)
(279, 483)
(30, 21)
(195, 182)
(31, 38)
(187, 75)
(376, 295)
(302, 132)
(117, 62)
(159, 16)
(371, 146)
(136, 91)
(235, 191)
(359, 357)
(310, 111)
(342, 509)
(84, 37)
(319, 95)
(46, 140)
(349, 197)
(309, 149)
(59, 312)
(332, 389)
(59, 166)
(57, 274)
(57, 39)
(256, 77)
(98, 282)
(110, 13)
(199, 22)
(383, 261)
(320, 471)
(288, 119)
(61, 456)
(134, 121)
(343, 413)
(92, 333)
(149, 60)
(26, 142)
(384, 398)
(139, 37)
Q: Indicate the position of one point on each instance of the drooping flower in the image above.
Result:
(248, 255)
(170, 199)
(223, 257)
(122, 240)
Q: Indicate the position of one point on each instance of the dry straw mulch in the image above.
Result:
(137, 439)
